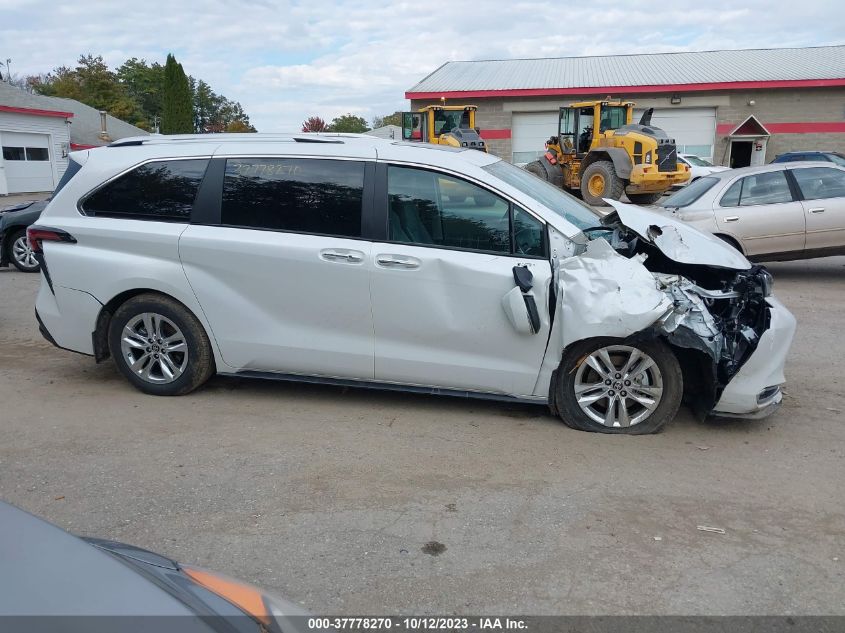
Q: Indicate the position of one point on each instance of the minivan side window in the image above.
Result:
(160, 190)
(433, 209)
(307, 195)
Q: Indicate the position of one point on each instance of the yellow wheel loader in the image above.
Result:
(443, 125)
(601, 154)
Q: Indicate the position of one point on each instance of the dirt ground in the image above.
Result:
(354, 501)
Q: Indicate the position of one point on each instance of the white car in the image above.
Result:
(699, 167)
(355, 260)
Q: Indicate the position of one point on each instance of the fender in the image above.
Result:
(621, 160)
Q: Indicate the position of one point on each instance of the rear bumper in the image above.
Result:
(67, 318)
(754, 392)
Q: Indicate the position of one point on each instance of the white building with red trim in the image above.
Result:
(732, 107)
(38, 132)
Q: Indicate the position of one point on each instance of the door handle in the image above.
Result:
(732, 218)
(398, 261)
(817, 210)
(342, 255)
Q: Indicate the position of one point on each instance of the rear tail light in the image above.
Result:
(37, 235)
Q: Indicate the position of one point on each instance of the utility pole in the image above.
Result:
(8, 70)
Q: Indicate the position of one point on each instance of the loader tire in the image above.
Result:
(544, 169)
(599, 181)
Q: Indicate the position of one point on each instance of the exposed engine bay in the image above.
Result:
(712, 313)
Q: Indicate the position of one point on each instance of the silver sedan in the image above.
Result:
(774, 212)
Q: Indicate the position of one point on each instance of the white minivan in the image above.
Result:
(355, 260)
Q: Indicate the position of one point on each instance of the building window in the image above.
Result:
(37, 153)
(14, 153)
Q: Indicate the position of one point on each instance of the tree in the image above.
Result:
(205, 106)
(388, 119)
(177, 116)
(139, 92)
(92, 83)
(145, 84)
(314, 124)
(349, 123)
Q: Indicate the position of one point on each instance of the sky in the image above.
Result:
(287, 60)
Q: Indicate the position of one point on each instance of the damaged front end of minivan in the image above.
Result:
(643, 276)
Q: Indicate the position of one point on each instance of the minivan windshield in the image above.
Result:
(565, 205)
(690, 193)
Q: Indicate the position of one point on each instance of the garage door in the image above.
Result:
(693, 129)
(26, 159)
(529, 132)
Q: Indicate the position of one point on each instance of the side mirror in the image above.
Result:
(523, 278)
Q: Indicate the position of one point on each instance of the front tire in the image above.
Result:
(159, 346)
(599, 180)
(20, 253)
(607, 386)
(644, 198)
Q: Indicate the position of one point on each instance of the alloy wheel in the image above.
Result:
(23, 254)
(618, 386)
(154, 348)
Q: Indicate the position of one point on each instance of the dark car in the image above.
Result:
(830, 157)
(14, 247)
(53, 581)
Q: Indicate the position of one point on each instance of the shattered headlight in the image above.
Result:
(767, 283)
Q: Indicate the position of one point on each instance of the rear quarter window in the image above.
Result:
(159, 190)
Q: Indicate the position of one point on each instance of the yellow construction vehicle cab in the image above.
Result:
(443, 125)
(599, 152)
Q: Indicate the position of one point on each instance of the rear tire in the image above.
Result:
(644, 198)
(20, 253)
(644, 394)
(599, 180)
(160, 346)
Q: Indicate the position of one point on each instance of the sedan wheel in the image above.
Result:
(22, 255)
(607, 386)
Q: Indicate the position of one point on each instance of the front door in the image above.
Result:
(823, 190)
(283, 276)
(439, 283)
(740, 154)
(761, 211)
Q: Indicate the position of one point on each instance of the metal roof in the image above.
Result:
(85, 120)
(821, 65)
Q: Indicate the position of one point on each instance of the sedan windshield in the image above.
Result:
(690, 193)
(565, 205)
(696, 161)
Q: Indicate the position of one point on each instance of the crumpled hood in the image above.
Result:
(678, 241)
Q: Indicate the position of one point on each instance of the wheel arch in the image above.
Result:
(6, 244)
(619, 157)
(730, 239)
(697, 369)
(100, 336)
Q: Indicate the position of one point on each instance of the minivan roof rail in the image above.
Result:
(156, 139)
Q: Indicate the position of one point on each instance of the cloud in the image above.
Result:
(287, 60)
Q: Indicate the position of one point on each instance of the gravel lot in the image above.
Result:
(333, 497)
